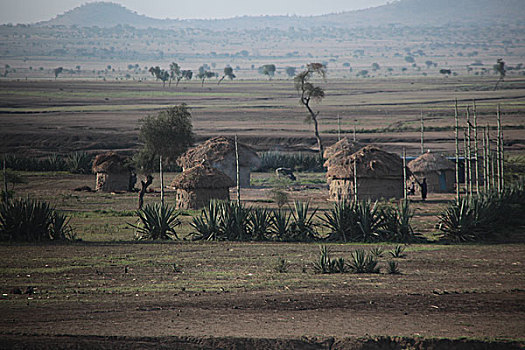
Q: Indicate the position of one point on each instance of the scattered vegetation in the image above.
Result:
(362, 262)
(281, 266)
(392, 268)
(398, 252)
(156, 221)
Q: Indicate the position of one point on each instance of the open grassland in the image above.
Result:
(42, 117)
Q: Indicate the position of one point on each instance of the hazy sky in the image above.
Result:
(29, 11)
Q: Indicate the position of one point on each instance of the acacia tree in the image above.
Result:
(166, 136)
(499, 68)
(228, 72)
(290, 71)
(268, 70)
(309, 92)
(175, 73)
(205, 74)
(57, 71)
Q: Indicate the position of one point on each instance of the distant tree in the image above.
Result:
(290, 71)
(6, 70)
(57, 71)
(164, 76)
(446, 72)
(309, 92)
(175, 73)
(499, 68)
(228, 72)
(268, 70)
(155, 71)
(166, 136)
(187, 74)
(410, 59)
(78, 68)
(429, 63)
(205, 74)
(375, 66)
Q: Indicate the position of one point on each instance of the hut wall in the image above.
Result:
(367, 188)
(112, 182)
(434, 181)
(198, 198)
(229, 167)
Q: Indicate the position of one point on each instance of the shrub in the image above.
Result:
(396, 224)
(398, 252)
(79, 163)
(369, 221)
(234, 221)
(281, 266)
(32, 221)
(393, 268)
(260, 220)
(207, 224)
(280, 225)
(157, 221)
(341, 220)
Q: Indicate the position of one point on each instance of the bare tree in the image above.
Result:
(309, 92)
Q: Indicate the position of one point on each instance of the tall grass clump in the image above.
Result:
(79, 163)
(32, 221)
(157, 222)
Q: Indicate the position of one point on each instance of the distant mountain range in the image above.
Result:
(401, 12)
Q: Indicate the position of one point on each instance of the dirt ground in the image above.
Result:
(232, 290)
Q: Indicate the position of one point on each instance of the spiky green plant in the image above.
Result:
(361, 262)
(302, 226)
(207, 224)
(234, 221)
(157, 221)
(280, 225)
(281, 266)
(79, 163)
(398, 251)
(393, 268)
(396, 223)
(325, 264)
(369, 221)
(377, 252)
(458, 222)
(341, 220)
(260, 221)
(32, 221)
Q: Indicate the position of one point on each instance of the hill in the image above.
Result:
(402, 12)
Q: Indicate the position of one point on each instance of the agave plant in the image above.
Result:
(280, 225)
(260, 221)
(79, 163)
(398, 252)
(361, 262)
(341, 220)
(325, 264)
(207, 224)
(369, 221)
(396, 224)
(393, 268)
(458, 222)
(234, 224)
(32, 221)
(302, 226)
(157, 221)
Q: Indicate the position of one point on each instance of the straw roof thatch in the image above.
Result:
(202, 177)
(343, 144)
(430, 162)
(371, 162)
(215, 150)
(111, 163)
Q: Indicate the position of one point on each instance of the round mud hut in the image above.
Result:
(198, 185)
(437, 169)
(219, 153)
(379, 175)
(113, 174)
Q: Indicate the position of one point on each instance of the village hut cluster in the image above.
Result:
(210, 169)
(438, 171)
(113, 173)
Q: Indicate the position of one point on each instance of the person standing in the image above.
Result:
(424, 188)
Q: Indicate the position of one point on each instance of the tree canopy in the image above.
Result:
(268, 70)
(228, 72)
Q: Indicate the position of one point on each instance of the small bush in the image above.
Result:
(393, 268)
(208, 224)
(79, 163)
(302, 226)
(341, 220)
(281, 266)
(398, 252)
(157, 221)
(396, 224)
(280, 225)
(325, 264)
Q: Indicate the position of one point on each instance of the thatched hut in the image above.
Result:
(198, 185)
(437, 169)
(219, 153)
(113, 174)
(344, 144)
(379, 174)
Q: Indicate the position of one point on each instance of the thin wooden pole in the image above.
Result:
(476, 164)
(465, 162)
(356, 198)
(238, 172)
(338, 128)
(6, 193)
(457, 149)
(485, 176)
(502, 149)
(161, 181)
(405, 196)
(422, 134)
(355, 126)
(469, 153)
(498, 156)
